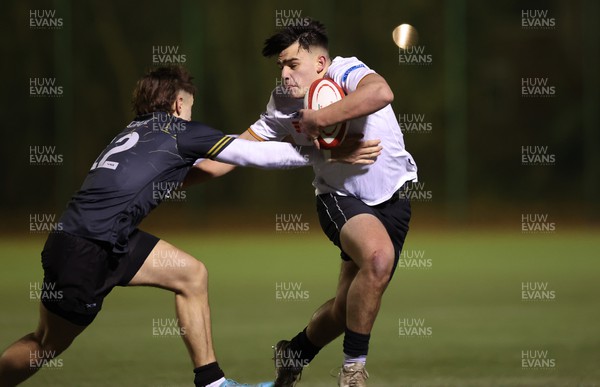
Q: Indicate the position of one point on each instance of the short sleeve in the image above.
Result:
(201, 141)
(348, 72)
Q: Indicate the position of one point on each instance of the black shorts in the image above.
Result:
(79, 272)
(335, 210)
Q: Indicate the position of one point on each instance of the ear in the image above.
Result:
(321, 63)
(178, 105)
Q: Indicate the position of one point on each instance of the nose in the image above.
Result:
(285, 75)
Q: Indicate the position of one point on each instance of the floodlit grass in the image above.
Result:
(469, 300)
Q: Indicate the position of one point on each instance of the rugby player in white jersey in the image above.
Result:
(361, 208)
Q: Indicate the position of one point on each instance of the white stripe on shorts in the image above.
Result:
(338, 206)
(328, 213)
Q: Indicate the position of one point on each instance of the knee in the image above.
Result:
(195, 278)
(379, 265)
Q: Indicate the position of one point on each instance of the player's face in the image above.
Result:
(300, 68)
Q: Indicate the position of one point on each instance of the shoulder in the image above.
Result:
(340, 65)
(198, 140)
(348, 72)
(193, 128)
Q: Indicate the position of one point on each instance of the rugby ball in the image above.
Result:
(323, 92)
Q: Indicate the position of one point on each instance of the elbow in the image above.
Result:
(386, 95)
(381, 96)
(377, 90)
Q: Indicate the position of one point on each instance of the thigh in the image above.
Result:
(365, 236)
(395, 216)
(166, 267)
(335, 211)
(141, 244)
(54, 332)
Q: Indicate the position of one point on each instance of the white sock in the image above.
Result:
(217, 383)
(351, 359)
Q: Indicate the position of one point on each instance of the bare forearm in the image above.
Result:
(372, 94)
(206, 170)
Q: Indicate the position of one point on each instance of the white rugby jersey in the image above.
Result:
(373, 184)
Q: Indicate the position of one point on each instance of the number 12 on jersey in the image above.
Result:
(102, 162)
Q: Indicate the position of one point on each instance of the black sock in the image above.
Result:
(356, 344)
(207, 374)
(307, 350)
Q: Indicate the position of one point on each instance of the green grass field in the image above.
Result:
(469, 299)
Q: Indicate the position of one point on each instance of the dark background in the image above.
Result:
(470, 94)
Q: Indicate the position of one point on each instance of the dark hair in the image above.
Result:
(312, 34)
(158, 89)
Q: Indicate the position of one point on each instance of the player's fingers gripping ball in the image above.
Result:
(323, 92)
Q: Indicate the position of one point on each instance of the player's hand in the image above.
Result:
(355, 151)
(309, 126)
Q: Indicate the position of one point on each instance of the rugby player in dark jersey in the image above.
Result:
(100, 245)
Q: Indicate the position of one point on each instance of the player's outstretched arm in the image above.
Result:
(352, 151)
(267, 154)
(209, 169)
(205, 170)
(247, 151)
(372, 94)
(280, 155)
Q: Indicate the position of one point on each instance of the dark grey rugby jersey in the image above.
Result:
(135, 172)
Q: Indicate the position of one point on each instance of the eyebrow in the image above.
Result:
(286, 61)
